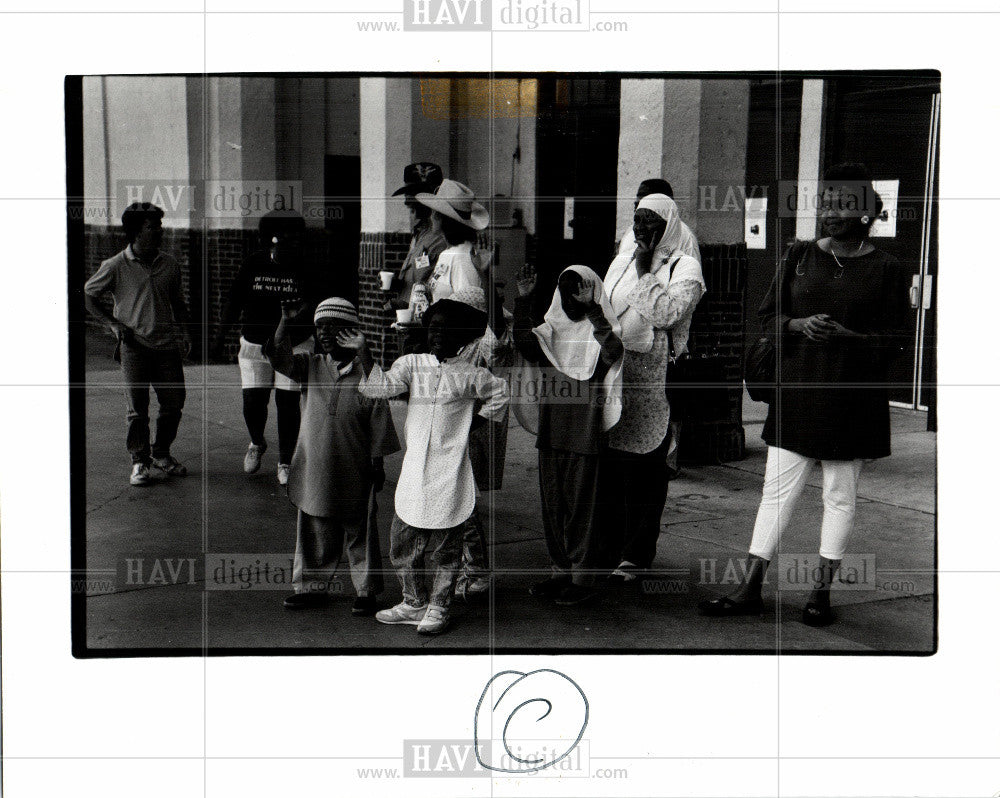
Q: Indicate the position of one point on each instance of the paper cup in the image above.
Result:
(386, 278)
(403, 315)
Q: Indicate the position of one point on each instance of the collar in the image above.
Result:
(130, 255)
(343, 371)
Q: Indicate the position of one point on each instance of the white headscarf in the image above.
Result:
(621, 279)
(572, 348)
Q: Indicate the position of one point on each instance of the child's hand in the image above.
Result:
(352, 339)
(585, 294)
(526, 280)
(290, 308)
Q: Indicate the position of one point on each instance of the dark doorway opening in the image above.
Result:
(577, 175)
(342, 191)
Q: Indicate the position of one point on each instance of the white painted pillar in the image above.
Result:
(640, 143)
(385, 132)
(810, 145)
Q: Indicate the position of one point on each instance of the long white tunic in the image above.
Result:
(436, 487)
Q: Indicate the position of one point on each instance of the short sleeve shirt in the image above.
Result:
(142, 295)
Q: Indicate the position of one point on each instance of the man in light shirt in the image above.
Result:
(149, 320)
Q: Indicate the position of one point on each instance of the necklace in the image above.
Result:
(840, 272)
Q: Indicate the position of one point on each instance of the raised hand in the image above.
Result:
(290, 308)
(585, 294)
(352, 339)
(643, 256)
(527, 279)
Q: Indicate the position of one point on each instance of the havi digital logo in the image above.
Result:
(441, 15)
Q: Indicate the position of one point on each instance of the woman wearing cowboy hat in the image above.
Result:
(459, 217)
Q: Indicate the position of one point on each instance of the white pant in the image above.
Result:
(256, 371)
(784, 478)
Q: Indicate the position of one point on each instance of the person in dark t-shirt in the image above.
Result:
(269, 276)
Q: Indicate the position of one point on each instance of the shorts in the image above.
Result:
(256, 371)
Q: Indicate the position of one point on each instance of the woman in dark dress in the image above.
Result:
(836, 310)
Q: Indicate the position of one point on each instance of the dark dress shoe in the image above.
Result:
(306, 601)
(364, 605)
(575, 594)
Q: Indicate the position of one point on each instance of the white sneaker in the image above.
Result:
(251, 463)
(435, 621)
(140, 475)
(283, 471)
(401, 613)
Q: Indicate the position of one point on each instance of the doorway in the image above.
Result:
(891, 125)
(577, 175)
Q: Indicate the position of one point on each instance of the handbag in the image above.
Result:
(695, 384)
(760, 369)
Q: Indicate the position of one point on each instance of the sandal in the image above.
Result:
(725, 607)
(815, 615)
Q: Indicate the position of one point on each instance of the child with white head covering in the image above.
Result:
(578, 353)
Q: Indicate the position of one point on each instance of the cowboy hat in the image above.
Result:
(420, 177)
(456, 201)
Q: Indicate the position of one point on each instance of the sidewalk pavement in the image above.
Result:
(162, 601)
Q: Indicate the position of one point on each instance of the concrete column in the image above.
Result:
(640, 143)
(257, 128)
(342, 116)
(97, 188)
(386, 126)
(810, 147)
(311, 131)
(722, 159)
(224, 155)
(679, 166)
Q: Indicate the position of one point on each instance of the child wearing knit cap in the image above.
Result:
(337, 467)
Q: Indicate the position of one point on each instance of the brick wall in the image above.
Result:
(221, 252)
(379, 252)
(717, 328)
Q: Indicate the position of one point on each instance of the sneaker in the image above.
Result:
(140, 475)
(401, 613)
(470, 588)
(306, 600)
(575, 594)
(364, 605)
(283, 471)
(170, 466)
(549, 588)
(434, 622)
(251, 463)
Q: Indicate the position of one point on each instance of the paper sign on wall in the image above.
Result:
(755, 222)
(568, 218)
(885, 226)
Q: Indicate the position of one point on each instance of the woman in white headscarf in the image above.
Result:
(653, 287)
(578, 355)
